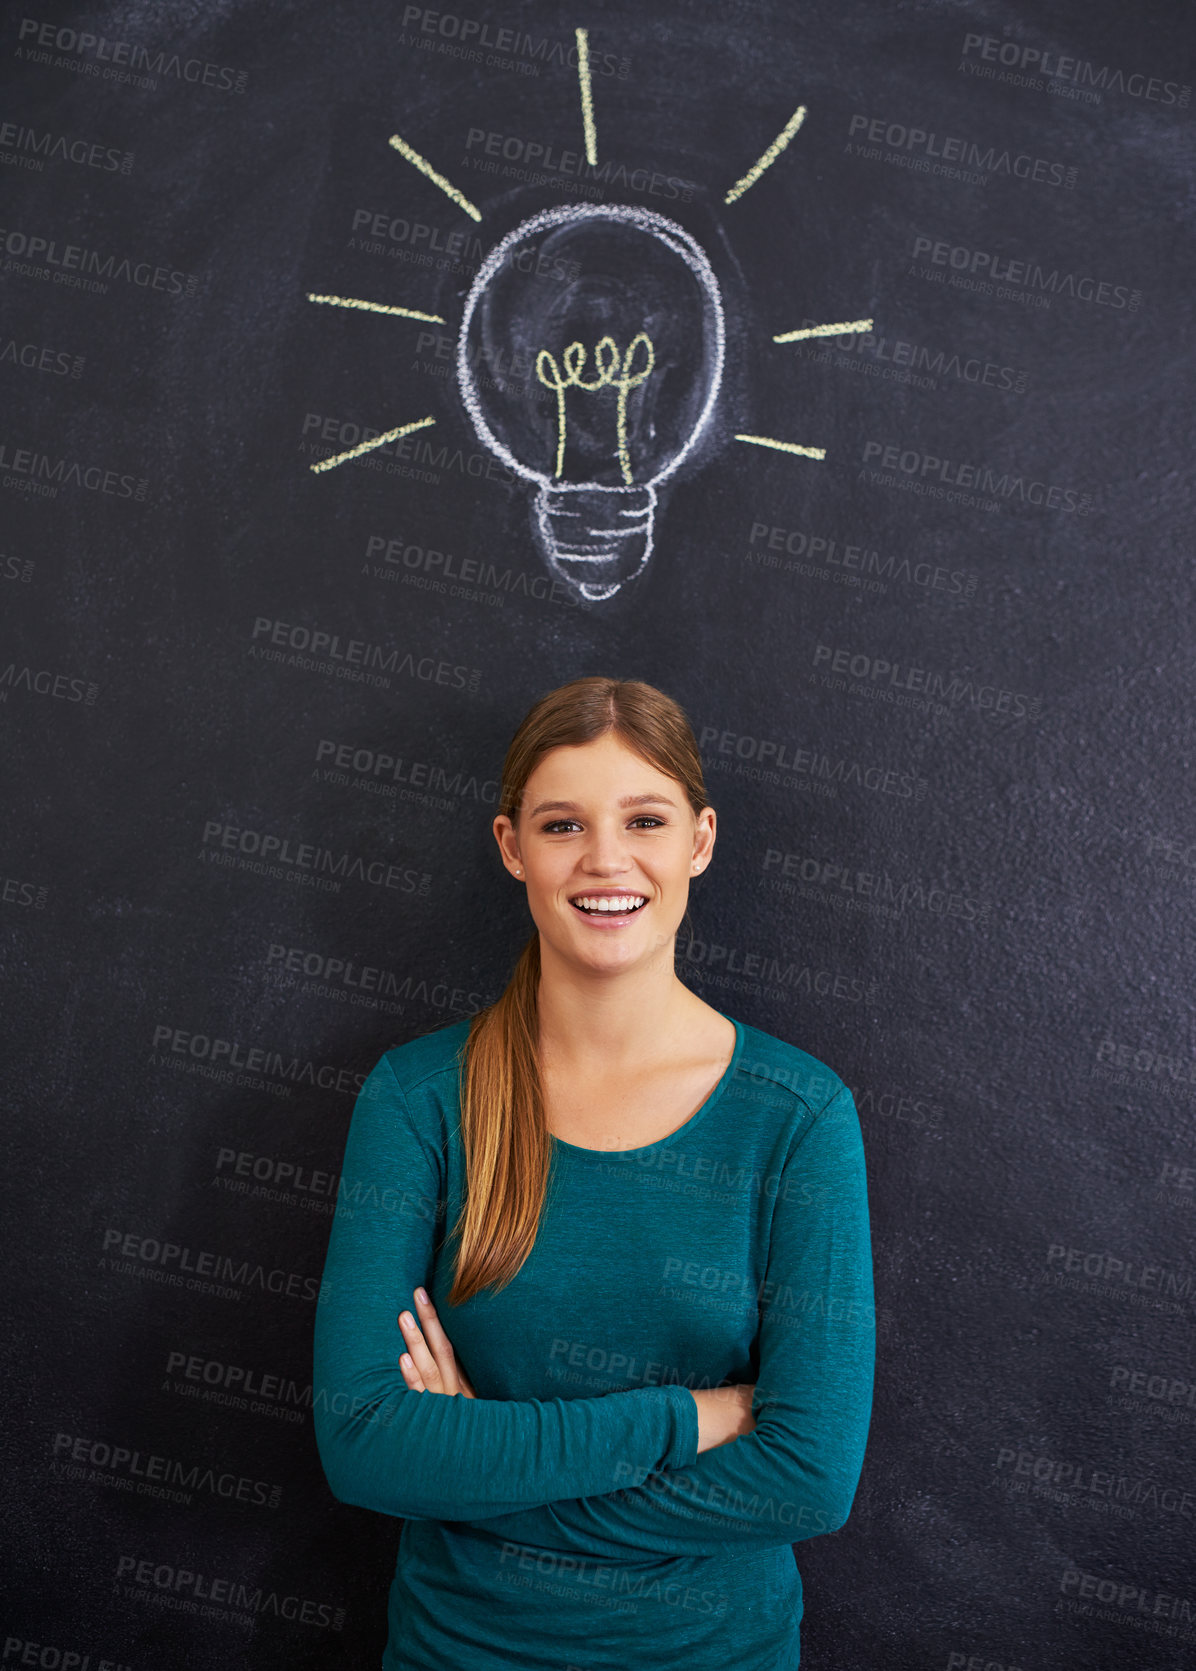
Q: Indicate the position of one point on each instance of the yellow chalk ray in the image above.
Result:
(770, 156)
(846, 329)
(376, 307)
(425, 167)
(378, 441)
(587, 96)
(783, 446)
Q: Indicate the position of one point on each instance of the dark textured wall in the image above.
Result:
(253, 712)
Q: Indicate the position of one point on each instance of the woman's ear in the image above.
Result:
(507, 838)
(705, 830)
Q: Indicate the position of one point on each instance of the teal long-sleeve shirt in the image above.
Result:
(562, 1520)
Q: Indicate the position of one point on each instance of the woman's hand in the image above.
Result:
(724, 1413)
(429, 1363)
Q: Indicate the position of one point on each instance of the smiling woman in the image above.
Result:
(644, 1226)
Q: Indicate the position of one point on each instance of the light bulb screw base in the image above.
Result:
(596, 538)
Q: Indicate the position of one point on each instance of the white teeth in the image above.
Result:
(618, 903)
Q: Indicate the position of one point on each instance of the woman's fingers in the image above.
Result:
(433, 1366)
(440, 1344)
(423, 1360)
(410, 1374)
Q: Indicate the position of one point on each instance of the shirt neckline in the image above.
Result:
(687, 1125)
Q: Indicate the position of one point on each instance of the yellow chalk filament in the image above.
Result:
(770, 156)
(783, 446)
(606, 359)
(425, 167)
(844, 330)
(587, 96)
(365, 446)
(376, 307)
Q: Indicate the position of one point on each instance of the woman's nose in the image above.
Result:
(606, 849)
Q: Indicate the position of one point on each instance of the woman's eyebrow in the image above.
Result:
(625, 801)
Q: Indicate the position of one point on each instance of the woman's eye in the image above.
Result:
(645, 820)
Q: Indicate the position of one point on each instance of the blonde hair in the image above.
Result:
(505, 1138)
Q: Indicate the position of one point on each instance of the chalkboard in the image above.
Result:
(367, 372)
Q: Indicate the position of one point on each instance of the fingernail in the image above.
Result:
(421, 1296)
(407, 1319)
(405, 1360)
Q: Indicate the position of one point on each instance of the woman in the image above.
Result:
(644, 1227)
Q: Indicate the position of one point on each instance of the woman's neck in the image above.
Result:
(612, 1020)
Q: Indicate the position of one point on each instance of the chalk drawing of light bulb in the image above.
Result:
(589, 359)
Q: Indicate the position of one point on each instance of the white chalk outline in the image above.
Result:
(368, 446)
(425, 167)
(848, 328)
(587, 96)
(783, 446)
(377, 307)
(770, 156)
(669, 233)
(645, 524)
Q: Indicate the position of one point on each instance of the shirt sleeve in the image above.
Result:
(795, 1475)
(428, 1456)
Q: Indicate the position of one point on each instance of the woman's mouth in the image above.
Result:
(608, 907)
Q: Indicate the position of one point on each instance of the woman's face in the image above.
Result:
(606, 845)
